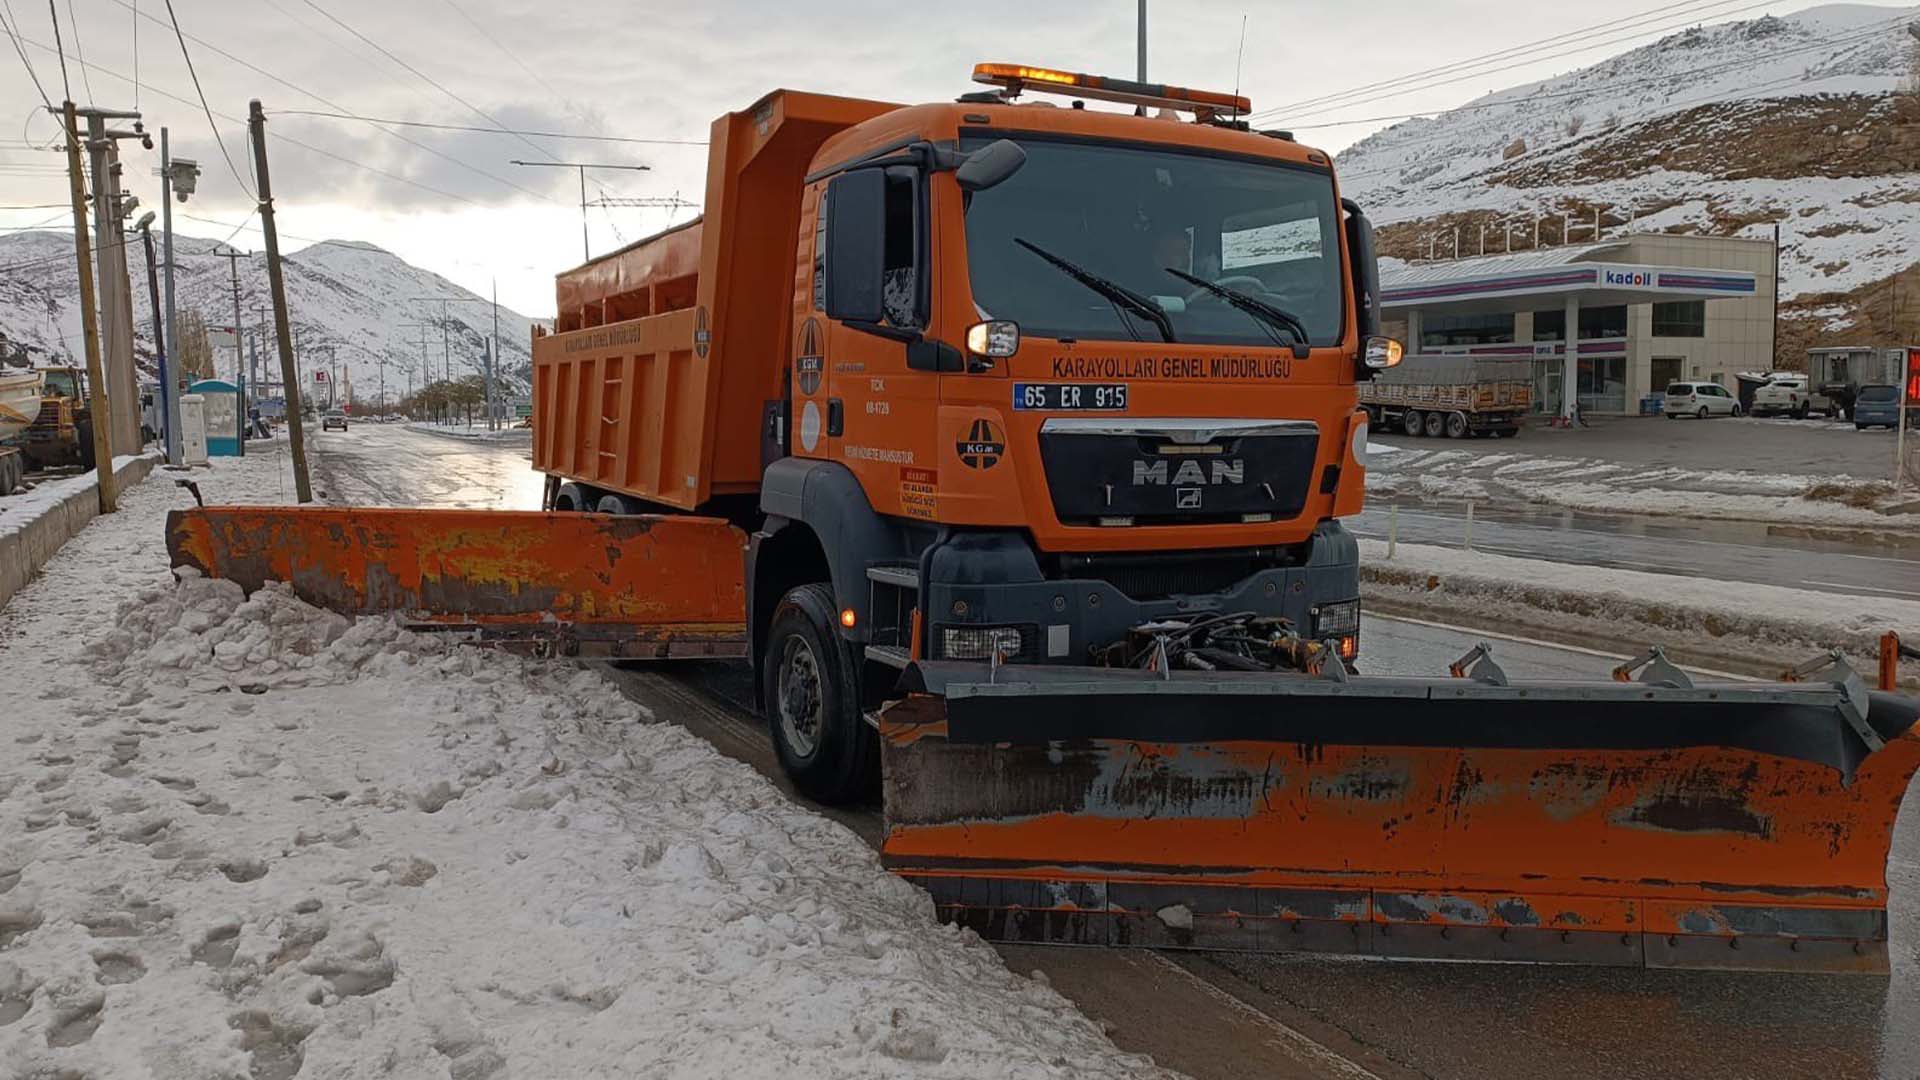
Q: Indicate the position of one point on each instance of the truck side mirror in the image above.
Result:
(856, 245)
(1366, 280)
(990, 165)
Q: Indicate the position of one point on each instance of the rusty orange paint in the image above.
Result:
(650, 576)
(1678, 841)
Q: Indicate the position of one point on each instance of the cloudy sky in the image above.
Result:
(655, 71)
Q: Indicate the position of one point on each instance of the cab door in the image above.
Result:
(879, 377)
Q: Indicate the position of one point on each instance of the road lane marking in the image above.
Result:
(1288, 1040)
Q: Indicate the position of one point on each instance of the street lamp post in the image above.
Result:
(178, 179)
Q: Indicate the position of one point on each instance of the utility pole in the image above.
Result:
(233, 266)
(257, 125)
(178, 179)
(492, 358)
(89, 318)
(1141, 44)
(159, 329)
(586, 252)
(116, 301)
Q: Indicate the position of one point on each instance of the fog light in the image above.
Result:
(998, 338)
(1336, 620)
(979, 642)
(1349, 647)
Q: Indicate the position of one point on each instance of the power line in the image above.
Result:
(1475, 61)
(7, 25)
(188, 57)
(1527, 62)
(296, 88)
(282, 138)
(79, 51)
(509, 52)
(428, 79)
(491, 130)
(58, 48)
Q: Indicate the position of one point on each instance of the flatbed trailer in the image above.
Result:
(1456, 396)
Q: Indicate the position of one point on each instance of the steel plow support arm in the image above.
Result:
(1722, 825)
(549, 583)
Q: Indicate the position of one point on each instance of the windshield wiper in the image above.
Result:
(1114, 291)
(1259, 309)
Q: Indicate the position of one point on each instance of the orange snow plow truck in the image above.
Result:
(1010, 442)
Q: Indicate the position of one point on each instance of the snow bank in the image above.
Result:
(1601, 486)
(240, 836)
(1750, 626)
(473, 431)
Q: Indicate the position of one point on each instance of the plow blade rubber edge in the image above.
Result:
(1734, 825)
(553, 584)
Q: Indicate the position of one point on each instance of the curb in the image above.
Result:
(24, 551)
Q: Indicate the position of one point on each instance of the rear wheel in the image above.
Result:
(1800, 413)
(1702, 414)
(1435, 424)
(810, 682)
(1735, 412)
(1410, 422)
(1457, 426)
(572, 498)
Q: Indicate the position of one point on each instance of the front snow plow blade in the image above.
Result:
(1724, 825)
(553, 584)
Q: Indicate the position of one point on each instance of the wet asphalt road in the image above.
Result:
(1238, 1015)
(1734, 552)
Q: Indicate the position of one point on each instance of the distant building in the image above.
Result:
(1650, 309)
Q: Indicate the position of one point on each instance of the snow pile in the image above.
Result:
(1601, 486)
(508, 432)
(1754, 627)
(243, 837)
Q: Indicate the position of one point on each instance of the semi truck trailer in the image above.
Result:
(1009, 443)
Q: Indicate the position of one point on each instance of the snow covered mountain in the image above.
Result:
(351, 304)
(1809, 122)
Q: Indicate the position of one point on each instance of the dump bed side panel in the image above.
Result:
(620, 407)
(760, 159)
(647, 277)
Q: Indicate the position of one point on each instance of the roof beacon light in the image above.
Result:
(1017, 77)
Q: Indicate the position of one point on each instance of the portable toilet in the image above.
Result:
(193, 430)
(221, 407)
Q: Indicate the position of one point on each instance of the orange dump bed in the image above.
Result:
(667, 352)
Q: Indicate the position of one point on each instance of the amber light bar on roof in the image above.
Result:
(1018, 77)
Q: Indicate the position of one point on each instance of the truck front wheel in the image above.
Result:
(811, 685)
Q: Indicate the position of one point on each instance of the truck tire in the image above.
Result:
(811, 683)
(572, 498)
(9, 473)
(1435, 424)
(83, 431)
(1410, 422)
(1457, 426)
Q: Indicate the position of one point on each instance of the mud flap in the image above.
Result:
(1735, 825)
(548, 583)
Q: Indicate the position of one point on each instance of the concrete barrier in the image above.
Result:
(26, 547)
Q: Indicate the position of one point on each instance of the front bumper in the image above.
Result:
(994, 580)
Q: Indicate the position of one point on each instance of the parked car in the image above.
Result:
(333, 419)
(1792, 394)
(1876, 404)
(1701, 399)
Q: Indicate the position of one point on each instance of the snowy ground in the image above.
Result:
(478, 430)
(244, 838)
(1603, 486)
(1752, 624)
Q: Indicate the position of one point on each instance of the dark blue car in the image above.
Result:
(1876, 405)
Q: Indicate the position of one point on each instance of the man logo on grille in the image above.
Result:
(982, 446)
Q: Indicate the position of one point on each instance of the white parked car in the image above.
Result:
(1791, 394)
(1701, 399)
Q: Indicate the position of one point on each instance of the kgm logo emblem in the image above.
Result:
(808, 364)
(982, 446)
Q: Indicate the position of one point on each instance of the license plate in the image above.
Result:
(1098, 397)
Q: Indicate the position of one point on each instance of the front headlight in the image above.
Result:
(1338, 620)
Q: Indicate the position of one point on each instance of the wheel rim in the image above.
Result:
(800, 703)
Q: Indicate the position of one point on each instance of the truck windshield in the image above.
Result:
(59, 384)
(1127, 214)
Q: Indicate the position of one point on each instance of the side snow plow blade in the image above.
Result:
(1723, 825)
(553, 584)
